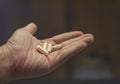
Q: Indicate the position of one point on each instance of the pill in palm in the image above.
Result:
(56, 47)
(45, 45)
(41, 50)
(49, 48)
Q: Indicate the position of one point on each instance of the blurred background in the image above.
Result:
(100, 61)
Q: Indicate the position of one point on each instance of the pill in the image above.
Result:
(56, 47)
(42, 50)
(49, 48)
(45, 45)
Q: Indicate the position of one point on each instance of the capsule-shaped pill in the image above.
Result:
(56, 47)
(49, 48)
(42, 50)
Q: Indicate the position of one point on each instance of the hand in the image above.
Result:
(27, 62)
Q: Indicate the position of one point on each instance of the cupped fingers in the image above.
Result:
(84, 38)
(66, 36)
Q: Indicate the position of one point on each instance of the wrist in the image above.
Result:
(5, 64)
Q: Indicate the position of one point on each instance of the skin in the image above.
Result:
(19, 58)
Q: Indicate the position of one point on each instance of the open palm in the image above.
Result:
(27, 62)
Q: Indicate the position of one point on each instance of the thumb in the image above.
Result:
(31, 27)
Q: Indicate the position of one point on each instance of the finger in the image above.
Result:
(66, 36)
(88, 40)
(32, 28)
(70, 51)
(81, 38)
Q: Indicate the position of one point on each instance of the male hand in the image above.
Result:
(27, 62)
